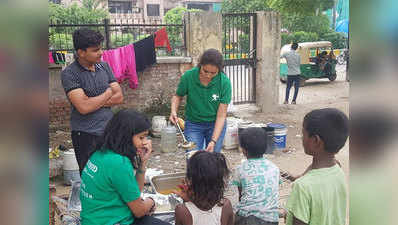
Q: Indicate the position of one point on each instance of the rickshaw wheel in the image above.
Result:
(332, 76)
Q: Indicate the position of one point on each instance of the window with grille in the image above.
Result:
(152, 10)
(120, 6)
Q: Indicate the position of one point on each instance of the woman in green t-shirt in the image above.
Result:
(208, 92)
(113, 178)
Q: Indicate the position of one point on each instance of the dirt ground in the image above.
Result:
(317, 93)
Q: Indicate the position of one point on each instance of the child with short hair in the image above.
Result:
(257, 180)
(203, 192)
(319, 196)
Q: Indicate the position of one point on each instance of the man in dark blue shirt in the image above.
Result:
(92, 89)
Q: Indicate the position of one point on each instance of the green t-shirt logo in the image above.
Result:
(215, 97)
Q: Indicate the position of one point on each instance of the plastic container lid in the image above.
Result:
(277, 125)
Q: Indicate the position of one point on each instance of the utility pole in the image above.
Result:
(334, 14)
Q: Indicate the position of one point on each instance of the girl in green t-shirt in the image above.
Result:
(208, 92)
(114, 176)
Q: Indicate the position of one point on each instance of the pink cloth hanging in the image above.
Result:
(50, 58)
(122, 62)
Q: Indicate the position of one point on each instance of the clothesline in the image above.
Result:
(127, 60)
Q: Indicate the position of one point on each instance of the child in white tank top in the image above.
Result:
(203, 192)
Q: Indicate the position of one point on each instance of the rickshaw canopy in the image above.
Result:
(304, 49)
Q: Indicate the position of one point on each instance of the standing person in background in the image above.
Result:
(293, 72)
(92, 89)
(208, 92)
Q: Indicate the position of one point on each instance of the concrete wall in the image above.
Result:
(204, 31)
(268, 51)
(156, 84)
(159, 82)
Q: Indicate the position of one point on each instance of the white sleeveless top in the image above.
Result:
(200, 217)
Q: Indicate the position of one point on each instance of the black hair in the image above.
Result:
(119, 132)
(213, 57)
(207, 176)
(254, 141)
(330, 124)
(85, 38)
(294, 46)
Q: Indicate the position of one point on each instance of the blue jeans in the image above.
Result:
(201, 133)
(290, 80)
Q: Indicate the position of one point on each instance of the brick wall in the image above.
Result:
(157, 83)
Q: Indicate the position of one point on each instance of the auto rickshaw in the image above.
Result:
(318, 60)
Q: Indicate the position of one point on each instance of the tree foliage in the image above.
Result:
(75, 14)
(90, 13)
(301, 7)
(233, 6)
(310, 23)
(92, 4)
(302, 18)
(175, 16)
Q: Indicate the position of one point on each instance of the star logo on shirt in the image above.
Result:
(215, 97)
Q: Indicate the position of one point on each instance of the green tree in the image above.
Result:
(301, 7)
(233, 6)
(175, 16)
(308, 23)
(92, 4)
(90, 13)
(75, 14)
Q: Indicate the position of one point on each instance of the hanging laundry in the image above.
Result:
(59, 57)
(145, 54)
(122, 62)
(162, 39)
(50, 58)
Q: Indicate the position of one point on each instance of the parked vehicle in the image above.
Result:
(342, 58)
(318, 60)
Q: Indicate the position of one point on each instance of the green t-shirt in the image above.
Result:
(108, 184)
(319, 197)
(203, 101)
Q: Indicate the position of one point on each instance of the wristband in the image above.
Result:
(153, 206)
(212, 140)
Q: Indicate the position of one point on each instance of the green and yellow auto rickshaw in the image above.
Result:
(318, 60)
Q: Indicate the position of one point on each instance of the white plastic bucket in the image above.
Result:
(70, 162)
(158, 123)
(280, 134)
(231, 140)
(70, 167)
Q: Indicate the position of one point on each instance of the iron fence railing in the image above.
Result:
(239, 50)
(119, 33)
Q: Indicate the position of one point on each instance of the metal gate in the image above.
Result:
(239, 49)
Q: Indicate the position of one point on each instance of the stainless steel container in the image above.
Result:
(165, 183)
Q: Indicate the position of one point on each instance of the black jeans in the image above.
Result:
(290, 80)
(83, 143)
(148, 220)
